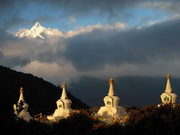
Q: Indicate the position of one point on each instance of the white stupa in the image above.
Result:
(168, 96)
(63, 106)
(20, 109)
(111, 102)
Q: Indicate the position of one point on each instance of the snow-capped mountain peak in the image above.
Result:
(37, 24)
(38, 31)
(37, 27)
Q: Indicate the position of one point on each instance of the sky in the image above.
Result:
(113, 38)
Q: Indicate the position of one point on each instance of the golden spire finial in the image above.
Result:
(168, 76)
(111, 81)
(168, 84)
(64, 85)
(21, 90)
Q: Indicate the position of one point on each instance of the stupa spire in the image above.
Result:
(111, 87)
(64, 94)
(168, 84)
(21, 97)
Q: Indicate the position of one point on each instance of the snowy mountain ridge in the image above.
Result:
(38, 31)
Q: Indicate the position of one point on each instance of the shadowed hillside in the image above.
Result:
(39, 94)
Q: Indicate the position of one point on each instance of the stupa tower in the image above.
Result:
(21, 97)
(20, 109)
(63, 106)
(168, 96)
(111, 99)
(111, 102)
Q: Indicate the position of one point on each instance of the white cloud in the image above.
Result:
(115, 26)
(153, 22)
(82, 30)
(52, 72)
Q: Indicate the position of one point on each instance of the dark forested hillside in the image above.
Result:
(39, 94)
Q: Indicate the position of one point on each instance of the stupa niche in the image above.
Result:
(111, 102)
(168, 96)
(20, 109)
(63, 106)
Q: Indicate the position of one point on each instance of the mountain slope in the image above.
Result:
(39, 94)
(132, 90)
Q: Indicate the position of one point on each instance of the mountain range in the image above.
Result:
(38, 31)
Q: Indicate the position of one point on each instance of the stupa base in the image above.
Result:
(117, 111)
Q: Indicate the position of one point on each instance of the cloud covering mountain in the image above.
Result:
(100, 51)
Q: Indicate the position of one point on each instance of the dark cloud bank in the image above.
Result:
(10, 10)
(137, 46)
